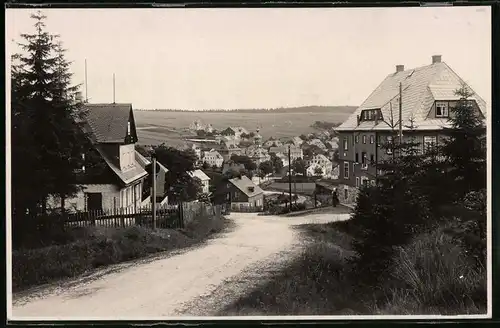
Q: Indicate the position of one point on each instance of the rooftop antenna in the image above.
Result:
(86, 90)
(113, 88)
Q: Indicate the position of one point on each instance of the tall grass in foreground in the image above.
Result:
(430, 275)
(435, 275)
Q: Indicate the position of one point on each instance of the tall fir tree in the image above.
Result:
(46, 107)
(464, 148)
(391, 212)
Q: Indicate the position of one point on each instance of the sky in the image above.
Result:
(195, 59)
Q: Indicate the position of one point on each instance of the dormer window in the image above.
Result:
(442, 109)
(371, 115)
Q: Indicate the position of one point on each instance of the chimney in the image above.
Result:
(400, 68)
(436, 59)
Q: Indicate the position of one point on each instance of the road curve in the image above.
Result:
(165, 286)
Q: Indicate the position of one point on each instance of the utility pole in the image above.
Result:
(153, 191)
(290, 177)
(400, 113)
(113, 88)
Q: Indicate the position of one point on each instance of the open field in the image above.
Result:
(155, 127)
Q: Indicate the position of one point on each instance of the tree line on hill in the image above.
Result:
(301, 109)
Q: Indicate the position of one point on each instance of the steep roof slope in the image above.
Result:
(246, 186)
(108, 122)
(420, 88)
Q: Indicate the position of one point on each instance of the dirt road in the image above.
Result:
(168, 285)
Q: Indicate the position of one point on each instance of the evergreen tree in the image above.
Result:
(464, 147)
(390, 213)
(45, 132)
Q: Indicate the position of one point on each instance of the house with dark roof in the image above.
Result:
(243, 194)
(112, 177)
(427, 98)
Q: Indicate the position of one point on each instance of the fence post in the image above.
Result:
(122, 219)
(181, 215)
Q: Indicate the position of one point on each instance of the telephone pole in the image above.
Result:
(400, 113)
(153, 189)
(290, 177)
(86, 90)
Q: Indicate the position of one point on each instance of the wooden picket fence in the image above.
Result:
(167, 216)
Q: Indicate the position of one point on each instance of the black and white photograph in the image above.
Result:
(248, 163)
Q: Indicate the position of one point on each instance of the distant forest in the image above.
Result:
(303, 109)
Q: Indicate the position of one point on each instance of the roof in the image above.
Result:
(232, 166)
(128, 176)
(245, 185)
(321, 156)
(420, 88)
(239, 129)
(284, 149)
(199, 174)
(108, 122)
(143, 161)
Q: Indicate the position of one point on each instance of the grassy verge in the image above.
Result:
(98, 246)
(432, 275)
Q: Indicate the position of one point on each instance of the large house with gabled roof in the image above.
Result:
(428, 95)
(111, 177)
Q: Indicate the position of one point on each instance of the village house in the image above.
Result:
(260, 155)
(257, 138)
(284, 159)
(317, 142)
(238, 131)
(243, 194)
(232, 166)
(250, 151)
(272, 142)
(297, 141)
(111, 177)
(428, 96)
(205, 180)
(295, 152)
(319, 161)
(161, 171)
(213, 158)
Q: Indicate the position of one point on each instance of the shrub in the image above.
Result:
(99, 247)
(435, 273)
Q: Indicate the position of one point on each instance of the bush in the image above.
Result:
(435, 273)
(102, 246)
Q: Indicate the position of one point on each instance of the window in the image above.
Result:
(364, 164)
(357, 139)
(357, 182)
(371, 115)
(346, 143)
(357, 158)
(441, 109)
(364, 139)
(373, 182)
(429, 143)
(389, 145)
(372, 139)
(346, 170)
(372, 158)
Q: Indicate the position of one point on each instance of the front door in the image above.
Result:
(94, 201)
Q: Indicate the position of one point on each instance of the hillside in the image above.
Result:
(302, 109)
(171, 127)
